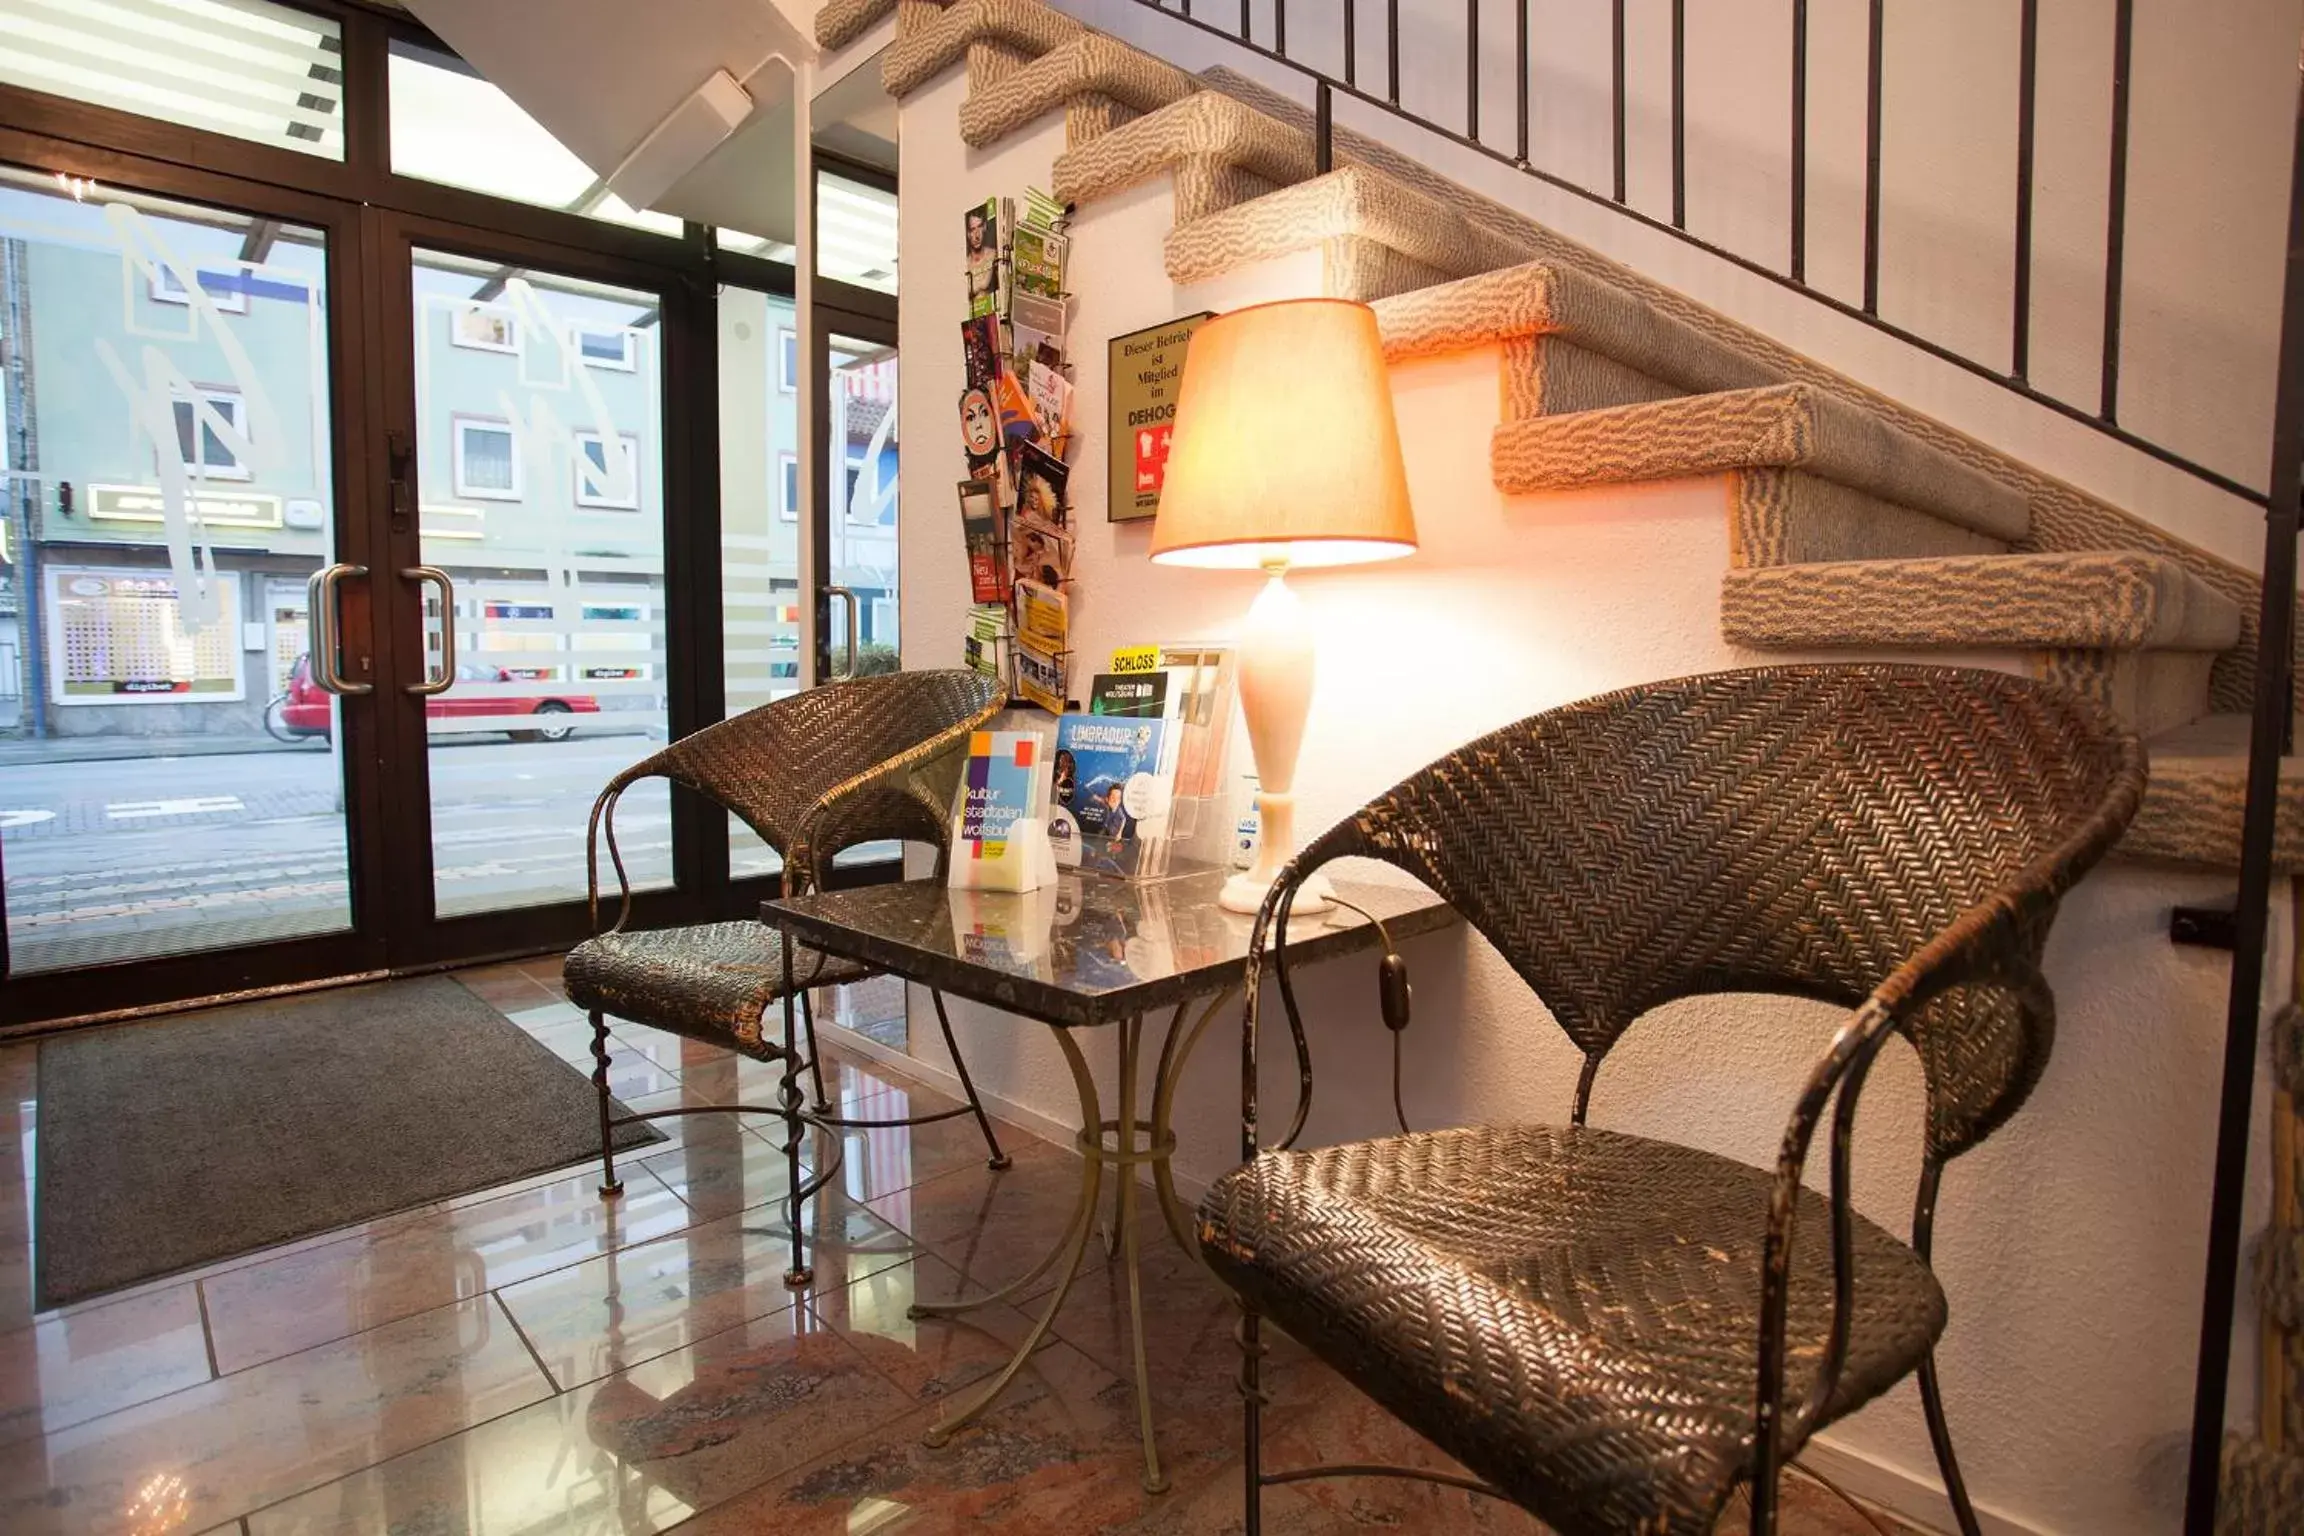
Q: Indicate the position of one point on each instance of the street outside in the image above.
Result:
(111, 860)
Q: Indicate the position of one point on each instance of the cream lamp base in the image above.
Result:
(1276, 665)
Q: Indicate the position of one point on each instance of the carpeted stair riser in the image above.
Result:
(989, 63)
(1788, 426)
(1092, 65)
(1355, 267)
(1204, 129)
(924, 49)
(2114, 601)
(1205, 185)
(1088, 118)
(1552, 376)
(1789, 517)
(1352, 201)
(2153, 691)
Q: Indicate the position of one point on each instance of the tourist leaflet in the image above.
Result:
(1000, 786)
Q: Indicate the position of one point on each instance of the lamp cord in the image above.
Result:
(1392, 997)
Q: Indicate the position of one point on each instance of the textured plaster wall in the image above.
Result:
(2070, 1246)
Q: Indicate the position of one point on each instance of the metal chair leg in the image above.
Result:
(1000, 1160)
(610, 1185)
(815, 1055)
(1940, 1436)
(1252, 1429)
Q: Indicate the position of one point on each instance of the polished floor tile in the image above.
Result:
(275, 1307)
(992, 1228)
(72, 1368)
(616, 1311)
(246, 1440)
(636, 1452)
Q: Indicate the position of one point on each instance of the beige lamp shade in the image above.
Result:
(1285, 450)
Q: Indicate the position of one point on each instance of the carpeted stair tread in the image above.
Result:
(841, 22)
(1205, 128)
(2121, 600)
(1545, 298)
(1090, 65)
(1351, 202)
(1783, 426)
(1024, 26)
(2194, 797)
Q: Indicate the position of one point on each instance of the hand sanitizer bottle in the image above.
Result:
(1248, 829)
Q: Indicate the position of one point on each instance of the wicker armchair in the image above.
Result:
(1615, 1332)
(823, 770)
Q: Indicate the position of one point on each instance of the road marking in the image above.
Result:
(195, 805)
(25, 818)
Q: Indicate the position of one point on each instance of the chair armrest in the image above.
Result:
(604, 818)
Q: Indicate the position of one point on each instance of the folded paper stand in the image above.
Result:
(1024, 862)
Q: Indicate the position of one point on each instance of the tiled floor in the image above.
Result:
(530, 1359)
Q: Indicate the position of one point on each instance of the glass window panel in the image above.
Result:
(246, 68)
(174, 787)
(855, 233)
(759, 527)
(441, 110)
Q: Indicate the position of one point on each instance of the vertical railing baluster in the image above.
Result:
(1617, 89)
(1246, 29)
(1280, 27)
(1679, 114)
(2027, 84)
(1520, 81)
(1472, 70)
(1351, 43)
(1323, 129)
(1799, 141)
(1872, 159)
(2116, 215)
(1392, 51)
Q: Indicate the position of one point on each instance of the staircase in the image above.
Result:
(1855, 523)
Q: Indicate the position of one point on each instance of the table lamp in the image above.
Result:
(1285, 454)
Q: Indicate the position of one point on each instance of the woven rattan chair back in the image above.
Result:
(772, 765)
(1797, 830)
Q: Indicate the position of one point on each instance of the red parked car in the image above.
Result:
(302, 712)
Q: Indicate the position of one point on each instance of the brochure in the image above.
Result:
(1039, 553)
(1001, 785)
(1116, 794)
(983, 235)
(985, 647)
(1040, 677)
(1041, 485)
(980, 528)
(1043, 616)
(1036, 308)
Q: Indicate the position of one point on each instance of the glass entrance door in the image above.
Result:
(539, 447)
(173, 781)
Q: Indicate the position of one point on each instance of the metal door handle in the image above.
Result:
(324, 614)
(447, 678)
(855, 627)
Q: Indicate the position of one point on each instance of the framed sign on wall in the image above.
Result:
(1145, 369)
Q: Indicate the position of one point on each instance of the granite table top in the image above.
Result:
(1086, 951)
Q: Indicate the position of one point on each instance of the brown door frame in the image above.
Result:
(359, 950)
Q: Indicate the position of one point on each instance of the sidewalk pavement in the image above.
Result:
(25, 751)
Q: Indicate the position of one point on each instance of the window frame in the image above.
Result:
(458, 423)
(218, 396)
(787, 485)
(600, 501)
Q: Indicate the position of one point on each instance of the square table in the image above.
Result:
(1089, 952)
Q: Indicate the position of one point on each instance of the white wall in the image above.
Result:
(2213, 99)
(2070, 1246)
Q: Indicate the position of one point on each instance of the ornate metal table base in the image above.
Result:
(1122, 1143)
